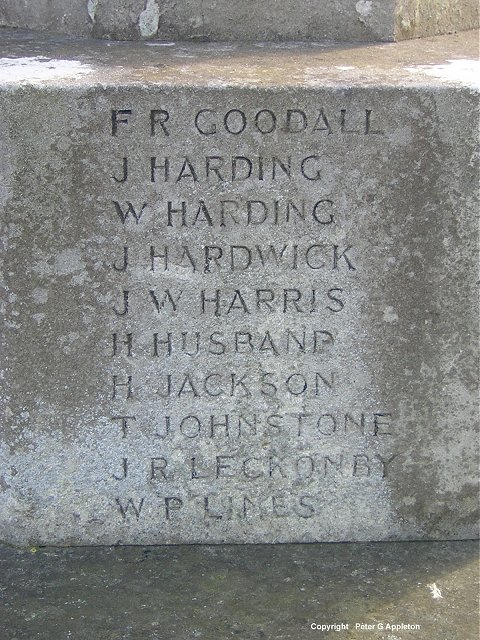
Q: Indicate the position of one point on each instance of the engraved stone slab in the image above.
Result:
(238, 293)
(248, 20)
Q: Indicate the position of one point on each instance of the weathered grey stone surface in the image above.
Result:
(419, 18)
(247, 20)
(267, 333)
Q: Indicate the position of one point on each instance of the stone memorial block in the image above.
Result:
(247, 20)
(239, 292)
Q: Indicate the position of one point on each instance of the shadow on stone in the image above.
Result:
(247, 592)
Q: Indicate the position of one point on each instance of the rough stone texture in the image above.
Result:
(272, 592)
(57, 16)
(419, 18)
(367, 431)
(346, 20)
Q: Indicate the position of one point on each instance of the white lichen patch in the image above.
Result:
(364, 9)
(66, 341)
(40, 68)
(68, 261)
(39, 295)
(148, 20)
(92, 9)
(435, 591)
(389, 315)
(463, 71)
(160, 44)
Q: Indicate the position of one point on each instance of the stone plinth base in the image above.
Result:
(239, 298)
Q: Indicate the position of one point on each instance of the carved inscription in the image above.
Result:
(231, 284)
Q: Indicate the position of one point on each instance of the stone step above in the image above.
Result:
(247, 20)
(239, 298)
